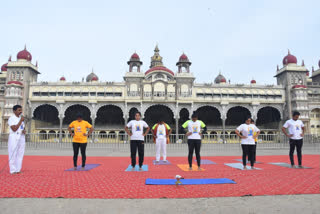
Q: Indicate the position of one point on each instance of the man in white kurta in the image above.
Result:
(16, 141)
(161, 132)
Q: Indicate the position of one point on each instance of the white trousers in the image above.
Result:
(16, 145)
(161, 146)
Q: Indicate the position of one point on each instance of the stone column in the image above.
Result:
(177, 127)
(224, 118)
(223, 129)
(60, 127)
(93, 118)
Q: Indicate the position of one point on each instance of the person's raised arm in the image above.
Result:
(16, 127)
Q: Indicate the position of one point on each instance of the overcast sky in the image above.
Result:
(242, 39)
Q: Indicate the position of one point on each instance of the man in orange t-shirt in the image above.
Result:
(80, 138)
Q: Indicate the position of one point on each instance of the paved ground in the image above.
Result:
(291, 204)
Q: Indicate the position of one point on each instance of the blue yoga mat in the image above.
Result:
(151, 181)
(239, 166)
(136, 169)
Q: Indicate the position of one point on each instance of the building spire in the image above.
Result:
(156, 59)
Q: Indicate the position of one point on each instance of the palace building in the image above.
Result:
(159, 92)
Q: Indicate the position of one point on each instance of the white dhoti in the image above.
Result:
(161, 146)
(16, 146)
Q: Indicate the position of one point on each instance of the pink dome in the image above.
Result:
(24, 54)
(14, 82)
(253, 82)
(183, 57)
(62, 79)
(4, 67)
(289, 59)
(135, 56)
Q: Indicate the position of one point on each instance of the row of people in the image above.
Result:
(137, 129)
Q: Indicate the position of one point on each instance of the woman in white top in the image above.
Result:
(296, 133)
(195, 129)
(137, 139)
(248, 133)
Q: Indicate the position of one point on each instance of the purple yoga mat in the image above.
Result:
(161, 162)
(205, 161)
(87, 168)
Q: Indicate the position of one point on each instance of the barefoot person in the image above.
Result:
(161, 132)
(246, 133)
(80, 138)
(296, 133)
(195, 129)
(17, 139)
(137, 139)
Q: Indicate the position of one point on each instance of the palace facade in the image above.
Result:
(160, 92)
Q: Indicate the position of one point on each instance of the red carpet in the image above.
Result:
(44, 177)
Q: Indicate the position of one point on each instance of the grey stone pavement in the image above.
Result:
(302, 204)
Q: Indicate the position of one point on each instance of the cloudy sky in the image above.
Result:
(243, 39)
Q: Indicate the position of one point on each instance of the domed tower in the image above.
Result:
(92, 77)
(20, 74)
(134, 63)
(183, 64)
(220, 79)
(293, 78)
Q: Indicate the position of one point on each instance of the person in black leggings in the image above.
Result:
(296, 132)
(80, 138)
(195, 129)
(248, 133)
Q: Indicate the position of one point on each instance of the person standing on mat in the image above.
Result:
(296, 133)
(17, 139)
(246, 133)
(80, 139)
(195, 129)
(161, 132)
(255, 142)
(137, 139)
